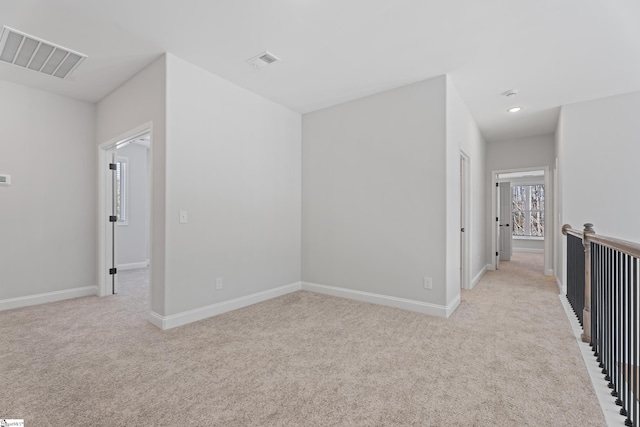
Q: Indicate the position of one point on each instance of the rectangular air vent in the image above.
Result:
(264, 59)
(30, 52)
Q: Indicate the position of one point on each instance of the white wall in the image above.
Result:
(133, 237)
(140, 100)
(598, 154)
(463, 134)
(233, 163)
(560, 248)
(521, 153)
(527, 245)
(373, 208)
(47, 215)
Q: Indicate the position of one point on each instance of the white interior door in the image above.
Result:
(504, 222)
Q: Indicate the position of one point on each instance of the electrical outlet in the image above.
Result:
(428, 283)
(218, 283)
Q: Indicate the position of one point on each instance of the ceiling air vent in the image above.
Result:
(30, 52)
(264, 59)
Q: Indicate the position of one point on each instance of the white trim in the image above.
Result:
(26, 301)
(603, 393)
(550, 272)
(490, 267)
(529, 250)
(534, 238)
(451, 307)
(479, 276)
(561, 287)
(157, 320)
(465, 200)
(133, 265)
(200, 313)
(386, 300)
(124, 179)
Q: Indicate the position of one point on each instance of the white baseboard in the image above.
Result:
(479, 276)
(133, 265)
(559, 283)
(403, 303)
(610, 411)
(529, 250)
(491, 267)
(179, 319)
(450, 308)
(26, 301)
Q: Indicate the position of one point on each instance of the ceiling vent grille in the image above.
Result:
(30, 52)
(264, 59)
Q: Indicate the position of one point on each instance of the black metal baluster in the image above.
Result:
(595, 301)
(626, 333)
(622, 396)
(617, 377)
(612, 336)
(600, 308)
(634, 332)
(607, 318)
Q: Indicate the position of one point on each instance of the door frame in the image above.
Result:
(549, 231)
(465, 209)
(104, 226)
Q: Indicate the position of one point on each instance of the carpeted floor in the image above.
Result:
(506, 357)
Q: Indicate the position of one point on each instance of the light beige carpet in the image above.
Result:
(506, 357)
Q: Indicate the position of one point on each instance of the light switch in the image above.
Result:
(183, 217)
(5, 179)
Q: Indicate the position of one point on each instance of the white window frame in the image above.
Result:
(528, 211)
(123, 182)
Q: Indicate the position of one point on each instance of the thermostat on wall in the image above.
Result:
(5, 179)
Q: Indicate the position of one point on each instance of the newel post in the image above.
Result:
(586, 311)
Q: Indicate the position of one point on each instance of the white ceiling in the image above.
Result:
(554, 52)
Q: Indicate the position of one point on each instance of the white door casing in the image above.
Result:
(504, 223)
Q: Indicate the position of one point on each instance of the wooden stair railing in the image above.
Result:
(603, 279)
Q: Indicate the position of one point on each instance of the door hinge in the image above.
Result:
(113, 218)
(497, 185)
(496, 253)
(496, 219)
(462, 229)
(113, 166)
(113, 271)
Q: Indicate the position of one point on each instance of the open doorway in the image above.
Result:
(521, 201)
(124, 213)
(132, 203)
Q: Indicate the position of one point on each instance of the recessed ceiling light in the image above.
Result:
(514, 109)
